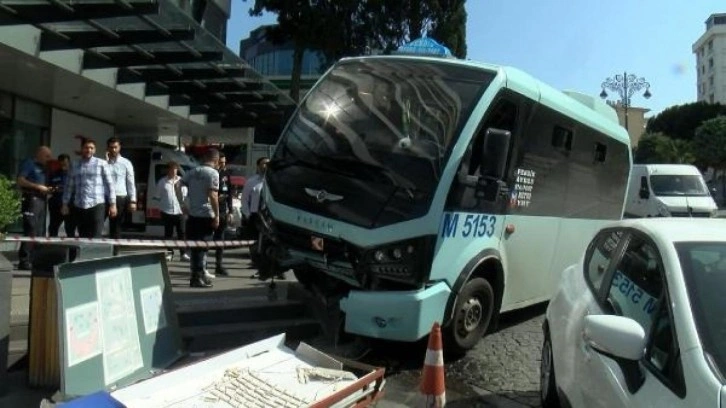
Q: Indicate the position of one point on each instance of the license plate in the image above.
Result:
(317, 243)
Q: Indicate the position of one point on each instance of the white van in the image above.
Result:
(668, 190)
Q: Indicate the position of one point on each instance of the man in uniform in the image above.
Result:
(57, 181)
(32, 182)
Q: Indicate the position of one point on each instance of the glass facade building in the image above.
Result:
(141, 70)
(274, 61)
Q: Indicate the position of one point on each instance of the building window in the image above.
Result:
(215, 21)
(710, 98)
(710, 64)
(24, 125)
(710, 46)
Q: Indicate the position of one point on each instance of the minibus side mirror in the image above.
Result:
(495, 153)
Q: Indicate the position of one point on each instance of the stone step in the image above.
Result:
(240, 312)
(19, 331)
(224, 336)
(16, 351)
(217, 322)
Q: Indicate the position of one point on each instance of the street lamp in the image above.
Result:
(625, 85)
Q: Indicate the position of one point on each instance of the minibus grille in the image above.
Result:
(301, 239)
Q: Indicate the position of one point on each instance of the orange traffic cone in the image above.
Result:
(432, 379)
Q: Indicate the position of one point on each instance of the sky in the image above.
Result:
(576, 44)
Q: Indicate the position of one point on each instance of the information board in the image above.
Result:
(117, 322)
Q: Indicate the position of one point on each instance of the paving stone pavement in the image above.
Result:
(501, 371)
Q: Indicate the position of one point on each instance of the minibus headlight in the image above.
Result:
(405, 261)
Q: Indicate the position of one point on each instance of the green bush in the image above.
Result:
(9, 203)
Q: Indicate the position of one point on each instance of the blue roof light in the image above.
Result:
(425, 46)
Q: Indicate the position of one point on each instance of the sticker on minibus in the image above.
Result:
(468, 225)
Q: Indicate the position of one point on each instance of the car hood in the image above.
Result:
(682, 203)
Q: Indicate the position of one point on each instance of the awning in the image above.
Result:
(156, 43)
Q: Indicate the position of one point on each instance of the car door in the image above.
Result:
(636, 289)
(575, 299)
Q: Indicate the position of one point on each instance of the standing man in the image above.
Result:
(225, 212)
(56, 181)
(170, 200)
(203, 213)
(90, 183)
(251, 205)
(32, 183)
(124, 184)
(251, 193)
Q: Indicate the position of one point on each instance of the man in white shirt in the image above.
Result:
(251, 192)
(170, 200)
(251, 204)
(122, 173)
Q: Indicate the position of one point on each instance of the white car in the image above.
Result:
(641, 319)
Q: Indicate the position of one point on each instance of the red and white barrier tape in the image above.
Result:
(160, 243)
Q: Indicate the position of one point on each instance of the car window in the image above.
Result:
(704, 271)
(602, 250)
(663, 354)
(637, 283)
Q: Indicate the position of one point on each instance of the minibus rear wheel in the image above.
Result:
(472, 314)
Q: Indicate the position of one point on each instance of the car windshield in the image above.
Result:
(678, 185)
(391, 119)
(704, 270)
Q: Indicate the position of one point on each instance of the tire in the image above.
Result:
(472, 315)
(305, 276)
(547, 381)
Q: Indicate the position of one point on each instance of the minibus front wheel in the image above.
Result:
(472, 314)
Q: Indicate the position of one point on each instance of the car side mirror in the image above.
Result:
(620, 338)
(644, 193)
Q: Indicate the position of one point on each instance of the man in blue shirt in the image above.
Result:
(123, 177)
(90, 183)
(57, 181)
(32, 183)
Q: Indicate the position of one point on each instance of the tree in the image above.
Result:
(449, 25)
(9, 204)
(340, 28)
(681, 121)
(394, 23)
(657, 148)
(709, 145)
(298, 21)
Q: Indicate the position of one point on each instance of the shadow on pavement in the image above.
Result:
(501, 400)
